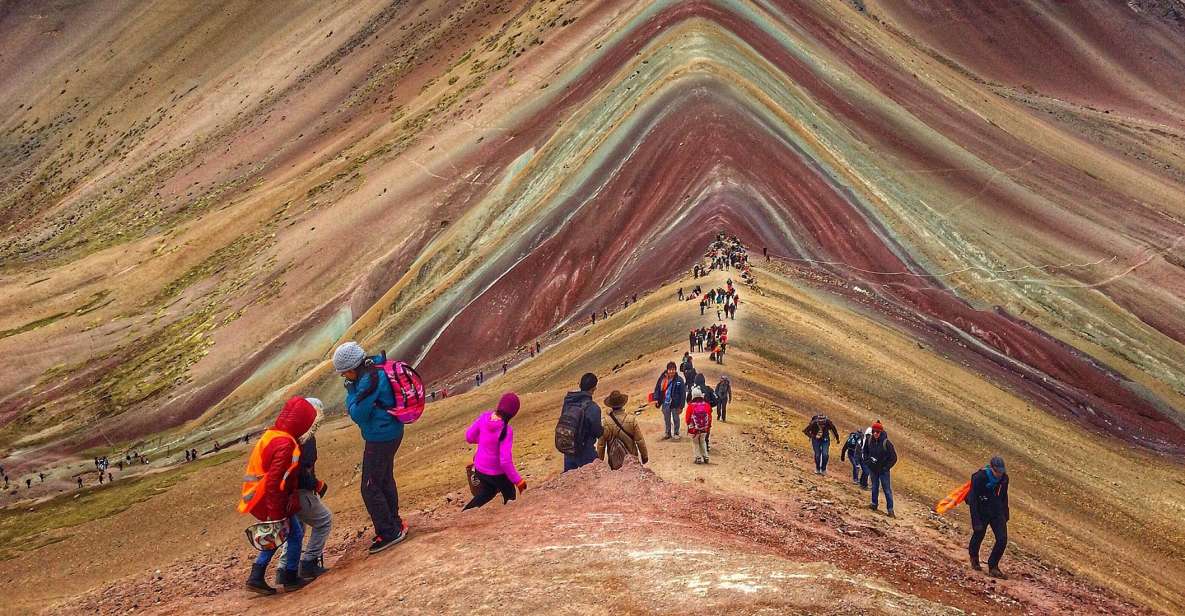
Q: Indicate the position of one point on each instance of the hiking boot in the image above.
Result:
(665, 437)
(289, 580)
(996, 573)
(675, 438)
(975, 564)
(257, 583)
(310, 569)
(698, 461)
(381, 544)
(872, 507)
(706, 461)
(891, 514)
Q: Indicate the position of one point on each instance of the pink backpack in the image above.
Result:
(701, 418)
(408, 387)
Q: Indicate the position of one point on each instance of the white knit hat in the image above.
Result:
(348, 356)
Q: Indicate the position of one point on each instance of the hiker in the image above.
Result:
(504, 369)
(699, 424)
(818, 431)
(691, 342)
(669, 392)
(594, 317)
(29, 482)
(703, 305)
(723, 397)
(680, 293)
(621, 437)
(187, 456)
(79, 481)
(368, 396)
(41, 476)
(270, 497)
(194, 451)
(100, 478)
(313, 513)
(493, 462)
(988, 502)
(579, 426)
(880, 456)
(110, 478)
(854, 450)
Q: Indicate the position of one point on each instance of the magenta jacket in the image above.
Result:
(492, 457)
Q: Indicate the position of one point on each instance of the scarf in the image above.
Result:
(992, 479)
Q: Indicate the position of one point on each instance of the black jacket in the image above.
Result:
(819, 429)
(724, 392)
(591, 430)
(985, 504)
(709, 393)
(879, 454)
(307, 474)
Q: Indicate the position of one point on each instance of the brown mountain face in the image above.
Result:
(975, 213)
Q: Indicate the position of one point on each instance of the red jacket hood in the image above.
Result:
(297, 417)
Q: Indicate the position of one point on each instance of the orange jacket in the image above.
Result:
(267, 494)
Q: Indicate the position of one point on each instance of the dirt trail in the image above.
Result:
(754, 532)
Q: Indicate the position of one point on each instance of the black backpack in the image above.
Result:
(568, 429)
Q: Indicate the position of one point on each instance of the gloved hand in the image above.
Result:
(521, 485)
(322, 488)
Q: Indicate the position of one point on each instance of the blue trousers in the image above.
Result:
(856, 468)
(822, 449)
(879, 480)
(864, 475)
(292, 556)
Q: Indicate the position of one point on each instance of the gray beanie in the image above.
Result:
(348, 356)
(998, 464)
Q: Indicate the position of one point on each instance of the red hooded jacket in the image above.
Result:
(296, 418)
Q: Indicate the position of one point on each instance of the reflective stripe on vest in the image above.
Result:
(255, 478)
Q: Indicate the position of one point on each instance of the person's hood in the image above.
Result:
(492, 425)
(576, 397)
(700, 380)
(297, 417)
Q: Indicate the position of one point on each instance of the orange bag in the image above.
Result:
(953, 499)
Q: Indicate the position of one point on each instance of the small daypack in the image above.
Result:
(701, 417)
(568, 428)
(407, 386)
(616, 452)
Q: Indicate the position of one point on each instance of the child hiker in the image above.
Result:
(493, 462)
(699, 424)
(313, 512)
(269, 491)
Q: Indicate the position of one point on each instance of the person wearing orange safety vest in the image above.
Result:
(269, 490)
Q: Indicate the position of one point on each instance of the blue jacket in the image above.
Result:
(368, 406)
(678, 391)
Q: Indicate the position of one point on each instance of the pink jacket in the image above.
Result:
(492, 457)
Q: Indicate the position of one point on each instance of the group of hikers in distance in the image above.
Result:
(281, 488)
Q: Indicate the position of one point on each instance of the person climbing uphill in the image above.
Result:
(699, 424)
(621, 437)
(880, 456)
(368, 395)
(723, 397)
(579, 426)
(669, 392)
(854, 450)
(313, 513)
(269, 491)
(819, 431)
(988, 502)
(493, 462)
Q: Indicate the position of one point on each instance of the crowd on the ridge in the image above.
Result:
(282, 490)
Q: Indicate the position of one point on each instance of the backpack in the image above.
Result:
(616, 452)
(407, 386)
(701, 417)
(568, 429)
(855, 439)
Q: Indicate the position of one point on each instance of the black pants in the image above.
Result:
(721, 411)
(999, 531)
(491, 485)
(378, 487)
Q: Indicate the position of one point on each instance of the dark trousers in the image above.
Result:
(864, 475)
(999, 531)
(856, 469)
(491, 485)
(822, 450)
(722, 411)
(378, 487)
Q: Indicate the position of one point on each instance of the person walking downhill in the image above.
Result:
(669, 392)
(880, 456)
(368, 396)
(819, 431)
(621, 437)
(269, 495)
(313, 513)
(493, 462)
(579, 426)
(723, 397)
(853, 448)
(699, 424)
(988, 502)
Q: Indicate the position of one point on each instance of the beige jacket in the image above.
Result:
(633, 439)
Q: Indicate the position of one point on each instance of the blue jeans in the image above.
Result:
(856, 468)
(291, 557)
(878, 480)
(864, 475)
(822, 449)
